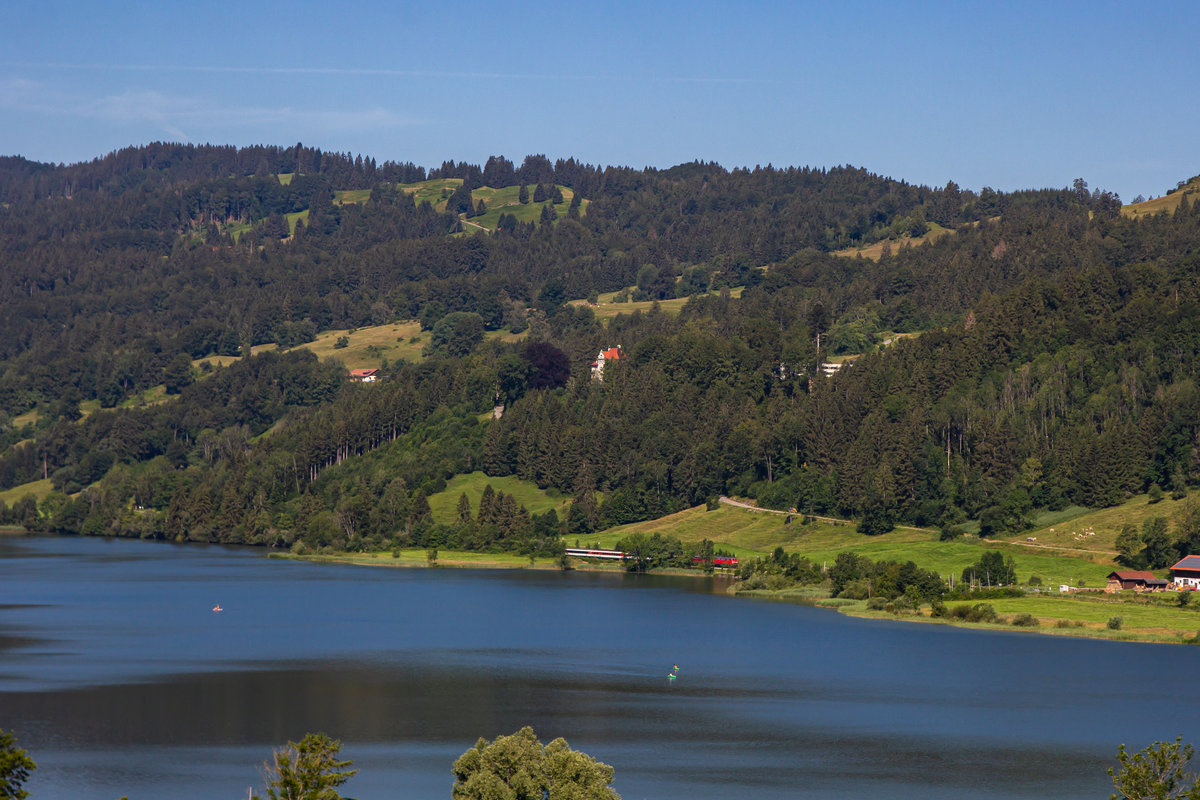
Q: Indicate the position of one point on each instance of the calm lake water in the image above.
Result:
(119, 679)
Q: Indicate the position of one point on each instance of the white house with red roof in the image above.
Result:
(1186, 573)
(611, 354)
(364, 375)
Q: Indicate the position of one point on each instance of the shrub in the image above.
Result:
(877, 603)
(1184, 599)
(949, 533)
(1026, 621)
(1155, 493)
(937, 609)
(980, 612)
(857, 589)
(1035, 580)
(1114, 623)
(342, 342)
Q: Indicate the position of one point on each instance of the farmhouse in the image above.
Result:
(611, 354)
(1186, 573)
(1138, 580)
(364, 375)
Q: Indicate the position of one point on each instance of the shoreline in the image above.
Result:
(798, 595)
(1072, 625)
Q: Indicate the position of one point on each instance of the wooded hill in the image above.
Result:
(1055, 363)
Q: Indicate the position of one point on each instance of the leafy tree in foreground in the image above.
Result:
(15, 766)
(308, 770)
(518, 767)
(1158, 772)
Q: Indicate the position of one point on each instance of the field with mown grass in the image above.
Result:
(444, 504)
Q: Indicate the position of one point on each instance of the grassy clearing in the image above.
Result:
(1167, 203)
(291, 220)
(367, 347)
(28, 418)
(498, 201)
(506, 201)
(285, 178)
(344, 196)
(444, 504)
(38, 489)
(605, 309)
(875, 251)
(433, 192)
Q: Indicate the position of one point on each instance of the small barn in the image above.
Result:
(1186, 573)
(1138, 580)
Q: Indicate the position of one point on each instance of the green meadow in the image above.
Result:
(444, 504)
(748, 533)
(38, 489)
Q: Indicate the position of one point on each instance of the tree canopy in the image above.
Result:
(519, 767)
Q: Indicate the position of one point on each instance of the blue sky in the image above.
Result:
(1010, 95)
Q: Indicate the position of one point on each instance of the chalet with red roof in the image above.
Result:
(1138, 580)
(1186, 573)
(611, 354)
(364, 375)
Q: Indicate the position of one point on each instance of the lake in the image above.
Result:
(120, 680)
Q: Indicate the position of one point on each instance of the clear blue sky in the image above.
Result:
(1009, 95)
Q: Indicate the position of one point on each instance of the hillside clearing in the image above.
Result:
(606, 308)
(875, 251)
(444, 504)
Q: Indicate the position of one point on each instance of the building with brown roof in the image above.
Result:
(1138, 580)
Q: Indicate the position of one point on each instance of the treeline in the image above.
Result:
(1075, 388)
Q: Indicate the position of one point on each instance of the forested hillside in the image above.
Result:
(1043, 354)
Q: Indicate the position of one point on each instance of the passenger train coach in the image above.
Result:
(620, 555)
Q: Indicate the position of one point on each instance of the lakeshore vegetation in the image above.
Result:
(948, 372)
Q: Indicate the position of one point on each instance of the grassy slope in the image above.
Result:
(498, 201)
(750, 533)
(38, 489)
(1068, 531)
(874, 251)
(1166, 203)
(606, 309)
(444, 504)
